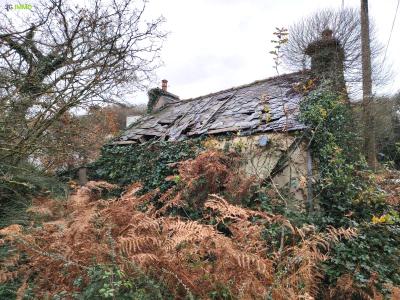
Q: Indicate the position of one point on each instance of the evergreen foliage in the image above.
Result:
(18, 185)
(347, 192)
(149, 163)
(153, 94)
(349, 196)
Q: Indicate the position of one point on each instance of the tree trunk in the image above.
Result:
(368, 115)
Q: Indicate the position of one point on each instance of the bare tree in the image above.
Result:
(346, 27)
(60, 57)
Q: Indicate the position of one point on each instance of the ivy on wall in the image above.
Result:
(153, 94)
(150, 163)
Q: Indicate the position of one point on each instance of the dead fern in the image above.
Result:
(224, 209)
(300, 264)
(23, 287)
(248, 261)
(133, 244)
(346, 288)
(189, 256)
(144, 259)
(336, 234)
(11, 260)
(7, 276)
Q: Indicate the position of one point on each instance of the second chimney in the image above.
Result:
(158, 98)
(164, 85)
(327, 57)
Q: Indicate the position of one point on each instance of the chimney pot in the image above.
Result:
(327, 34)
(164, 85)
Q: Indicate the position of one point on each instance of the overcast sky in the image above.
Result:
(217, 44)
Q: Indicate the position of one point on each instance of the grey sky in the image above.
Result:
(217, 44)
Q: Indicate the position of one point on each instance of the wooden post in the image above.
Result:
(82, 176)
(310, 195)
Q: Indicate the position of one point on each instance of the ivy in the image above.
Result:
(348, 196)
(345, 186)
(375, 250)
(109, 282)
(149, 163)
(153, 94)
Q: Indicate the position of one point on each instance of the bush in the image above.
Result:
(112, 283)
(346, 189)
(373, 253)
(18, 185)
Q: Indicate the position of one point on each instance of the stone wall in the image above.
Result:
(264, 153)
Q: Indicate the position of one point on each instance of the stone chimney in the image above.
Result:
(164, 85)
(327, 57)
(160, 97)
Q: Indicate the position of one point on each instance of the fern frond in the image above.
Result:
(21, 290)
(42, 211)
(144, 223)
(336, 234)
(144, 259)
(132, 245)
(183, 227)
(7, 276)
(248, 261)
(225, 210)
(11, 261)
(13, 229)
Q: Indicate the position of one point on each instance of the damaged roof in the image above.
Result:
(266, 105)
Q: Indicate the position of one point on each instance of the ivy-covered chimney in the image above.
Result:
(327, 57)
(160, 97)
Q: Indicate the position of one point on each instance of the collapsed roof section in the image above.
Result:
(266, 105)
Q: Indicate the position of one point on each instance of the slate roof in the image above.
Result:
(266, 105)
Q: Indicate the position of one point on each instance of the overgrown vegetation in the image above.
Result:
(192, 224)
(345, 188)
(149, 163)
(153, 95)
(18, 185)
(348, 195)
(221, 254)
(169, 220)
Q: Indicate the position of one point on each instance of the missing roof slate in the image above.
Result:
(236, 109)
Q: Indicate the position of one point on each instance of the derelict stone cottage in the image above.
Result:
(260, 118)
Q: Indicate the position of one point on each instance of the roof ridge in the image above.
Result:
(242, 86)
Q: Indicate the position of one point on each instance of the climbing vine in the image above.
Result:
(348, 196)
(345, 188)
(149, 163)
(153, 94)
